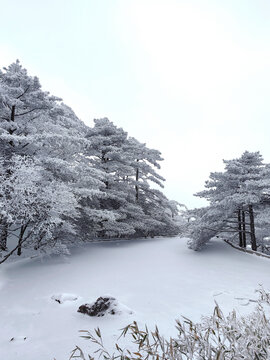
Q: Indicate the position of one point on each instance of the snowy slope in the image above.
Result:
(159, 280)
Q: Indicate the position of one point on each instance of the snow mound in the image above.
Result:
(104, 305)
(62, 298)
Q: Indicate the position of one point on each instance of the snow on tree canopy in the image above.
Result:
(63, 182)
(237, 197)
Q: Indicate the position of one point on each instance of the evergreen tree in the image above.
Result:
(129, 167)
(21, 102)
(234, 195)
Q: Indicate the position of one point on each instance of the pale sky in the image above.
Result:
(189, 78)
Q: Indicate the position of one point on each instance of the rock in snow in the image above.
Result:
(102, 306)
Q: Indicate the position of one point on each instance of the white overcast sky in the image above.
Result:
(189, 78)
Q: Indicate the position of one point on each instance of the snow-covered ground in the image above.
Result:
(158, 280)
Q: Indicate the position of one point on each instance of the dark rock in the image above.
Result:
(99, 307)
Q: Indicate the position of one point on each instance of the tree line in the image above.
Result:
(62, 182)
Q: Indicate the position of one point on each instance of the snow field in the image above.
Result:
(158, 279)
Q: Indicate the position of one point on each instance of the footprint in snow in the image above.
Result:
(18, 339)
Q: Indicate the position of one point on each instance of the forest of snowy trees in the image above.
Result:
(239, 205)
(62, 182)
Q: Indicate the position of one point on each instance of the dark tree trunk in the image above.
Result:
(12, 117)
(4, 235)
(23, 228)
(252, 228)
(244, 229)
(240, 228)
(136, 186)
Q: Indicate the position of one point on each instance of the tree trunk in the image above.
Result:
(12, 119)
(244, 236)
(136, 186)
(12, 116)
(23, 228)
(240, 228)
(252, 228)
(4, 235)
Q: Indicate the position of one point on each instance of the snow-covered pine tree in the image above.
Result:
(234, 195)
(34, 124)
(21, 102)
(129, 168)
(143, 161)
(107, 155)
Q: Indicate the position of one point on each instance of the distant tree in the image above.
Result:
(143, 161)
(106, 155)
(129, 167)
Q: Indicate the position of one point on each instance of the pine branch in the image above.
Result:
(29, 111)
(25, 91)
